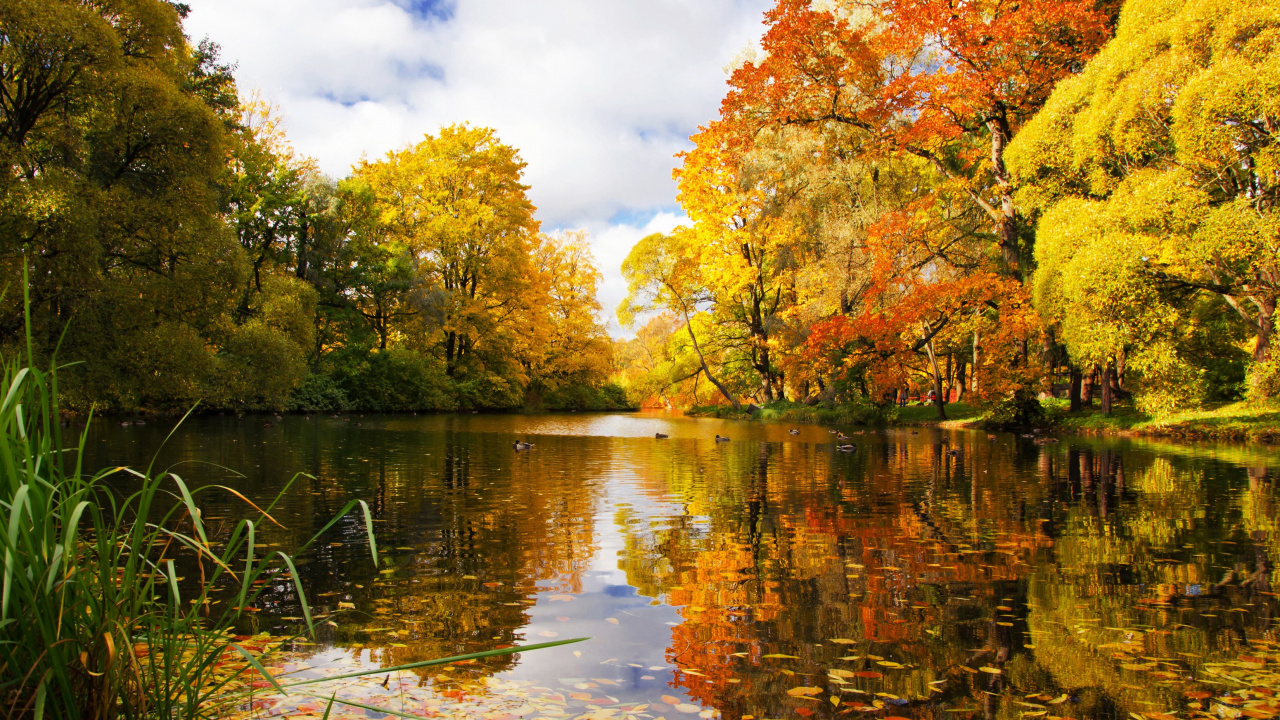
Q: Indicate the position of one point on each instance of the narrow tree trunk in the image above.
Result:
(1089, 386)
(1266, 326)
(960, 378)
(937, 382)
(706, 370)
(1007, 223)
(951, 374)
(1106, 388)
(1077, 379)
(974, 381)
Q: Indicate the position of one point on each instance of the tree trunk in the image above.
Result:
(1088, 388)
(937, 382)
(951, 374)
(706, 370)
(974, 381)
(1106, 388)
(1077, 379)
(1266, 326)
(960, 378)
(1007, 223)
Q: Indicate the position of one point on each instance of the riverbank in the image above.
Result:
(1246, 421)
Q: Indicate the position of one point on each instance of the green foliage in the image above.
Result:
(85, 582)
(396, 380)
(583, 397)
(1154, 182)
(1264, 380)
(1019, 410)
(320, 394)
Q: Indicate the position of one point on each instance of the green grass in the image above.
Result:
(957, 412)
(1244, 420)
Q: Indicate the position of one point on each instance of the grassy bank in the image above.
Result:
(1255, 421)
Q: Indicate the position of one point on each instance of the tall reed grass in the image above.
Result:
(93, 622)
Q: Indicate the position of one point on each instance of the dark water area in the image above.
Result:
(931, 573)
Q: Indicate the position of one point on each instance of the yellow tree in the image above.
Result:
(1165, 144)
(663, 273)
(572, 347)
(455, 201)
(750, 250)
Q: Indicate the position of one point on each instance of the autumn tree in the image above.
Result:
(1156, 171)
(663, 274)
(456, 203)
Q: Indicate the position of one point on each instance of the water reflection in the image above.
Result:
(930, 573)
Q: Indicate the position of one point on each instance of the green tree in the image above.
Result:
(1156, 173)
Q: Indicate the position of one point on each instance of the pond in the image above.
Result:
(930, 573)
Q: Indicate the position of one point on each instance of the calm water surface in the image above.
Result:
(932, 573)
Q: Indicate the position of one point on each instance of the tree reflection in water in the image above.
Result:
(930, 575)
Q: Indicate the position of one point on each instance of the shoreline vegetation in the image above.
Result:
(1240, 421)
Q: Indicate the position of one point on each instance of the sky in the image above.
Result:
(598, 95)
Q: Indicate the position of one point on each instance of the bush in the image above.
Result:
(396, 380)
(1264, 380)
(319, 393)
(1019, 410)
(584, 397)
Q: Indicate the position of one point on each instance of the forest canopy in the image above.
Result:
(179, 251)
(987, 201)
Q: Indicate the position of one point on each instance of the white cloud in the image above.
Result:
(597, 94)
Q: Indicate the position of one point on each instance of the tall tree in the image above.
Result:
(456, 203)
(1156, 169)
(662, 273)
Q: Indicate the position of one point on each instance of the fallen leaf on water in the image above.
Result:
(687, 708)
(835, 701)
(670, 700)
(989, 669)
(549, 634)
(803, 691)
(780, 655)
(611, 620)
(844, 641)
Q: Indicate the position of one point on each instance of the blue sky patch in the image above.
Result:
(433, 10)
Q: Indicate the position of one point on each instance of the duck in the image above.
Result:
(721, 438)
(660, 436)
(847, 447)
(139, 422)
(521, 445)
(992, 437)
(954, 453)
(842, 437)
(125, 423)
(794, 432)
(833, 432)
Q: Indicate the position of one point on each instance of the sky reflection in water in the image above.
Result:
(990, 579)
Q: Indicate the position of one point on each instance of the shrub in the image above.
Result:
(397, 380)
(319, 393)
(1264, 380)
(1018, 410)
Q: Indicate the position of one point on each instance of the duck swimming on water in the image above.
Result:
(660, 436)
(847, 447)
(794, 432)
(720, 438)
(521, 445)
